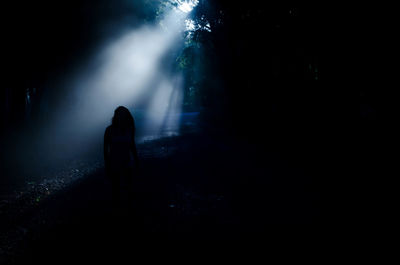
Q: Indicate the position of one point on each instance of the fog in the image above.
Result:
(134, 67)
(133, 70)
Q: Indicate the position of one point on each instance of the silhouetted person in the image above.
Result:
(120, 154)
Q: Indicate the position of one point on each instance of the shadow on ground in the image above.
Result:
(190, 187)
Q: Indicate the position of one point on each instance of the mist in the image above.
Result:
(132, 68)
(233, 109)
(130, 71)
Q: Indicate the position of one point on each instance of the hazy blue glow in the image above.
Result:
(187, 5)
(131, 68)
(190, 25)
(128, 71)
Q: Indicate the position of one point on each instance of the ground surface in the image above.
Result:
(193, 186)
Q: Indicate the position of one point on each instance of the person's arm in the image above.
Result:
(134, 151)
(107, 150)
(135, 154)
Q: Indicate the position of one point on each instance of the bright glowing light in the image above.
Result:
(129, 70)
(187, 6)
(190, 26)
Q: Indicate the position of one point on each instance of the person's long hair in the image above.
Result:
(123, 119)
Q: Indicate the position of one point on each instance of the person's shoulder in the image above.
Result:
(108, 129)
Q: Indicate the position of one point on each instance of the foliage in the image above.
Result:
(244, 58)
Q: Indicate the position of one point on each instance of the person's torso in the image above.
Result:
(120, 147)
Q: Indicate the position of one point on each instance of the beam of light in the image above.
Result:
(128, 71)
(165, 107)
(187, 5)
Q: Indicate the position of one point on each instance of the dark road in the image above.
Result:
(189, 187)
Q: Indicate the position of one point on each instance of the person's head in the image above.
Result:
(123, 118)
